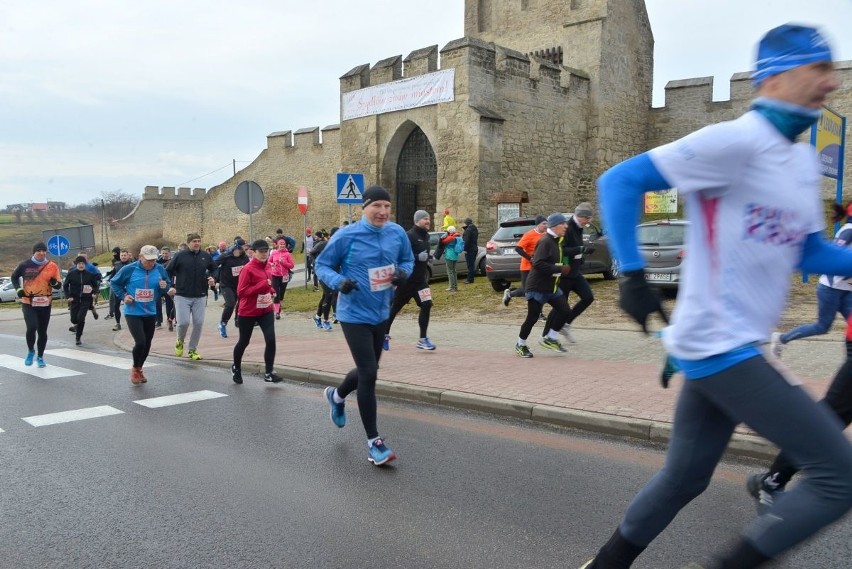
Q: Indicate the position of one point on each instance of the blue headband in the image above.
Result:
(787, 47)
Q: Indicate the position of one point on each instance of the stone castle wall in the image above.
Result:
(689, 105)
(155, 211)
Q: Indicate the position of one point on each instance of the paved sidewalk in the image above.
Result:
(607, 382)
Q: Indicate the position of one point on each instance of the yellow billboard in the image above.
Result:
(663, 201)
(828, 138)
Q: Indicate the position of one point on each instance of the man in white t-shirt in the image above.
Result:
(752, 199)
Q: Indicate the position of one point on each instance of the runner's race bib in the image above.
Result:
(87, 289)
(381, 277)
(285, 278)
(425, 294)
(235, 271)
(264, 300)
(38, 301)
(144, 295)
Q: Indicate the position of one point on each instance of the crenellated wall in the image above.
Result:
(512, 118)
(308, 157)
(689, 105)
(161, 208)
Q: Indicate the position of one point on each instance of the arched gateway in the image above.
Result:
(416, 178)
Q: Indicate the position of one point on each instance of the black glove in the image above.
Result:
(347, 285)
(669, 369)
(20, 293)
(55, 283)
(638, 299)
(588, 250)
(399, 277)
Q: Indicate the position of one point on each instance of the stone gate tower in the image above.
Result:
(610, 40)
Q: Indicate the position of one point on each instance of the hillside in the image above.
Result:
(17, 239)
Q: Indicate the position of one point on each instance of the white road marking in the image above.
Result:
(49, 372)
(75, 415)
(94, 358)
(167, 400)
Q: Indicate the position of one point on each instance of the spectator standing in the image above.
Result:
(191, 270)
(80, 287)
(279, 265)
(453, 245)
(35, 280)
(738, 177)
(364, 262)
(416, 286)
(229, 266)
(256, 296)
(140, 284)
(573, 251)
(525, 248)
(448, 221)
(471, 248)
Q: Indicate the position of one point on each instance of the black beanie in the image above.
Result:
(40, 246)
(373, 194)
(80, 259)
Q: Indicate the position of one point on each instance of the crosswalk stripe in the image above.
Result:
(49, 372)
(95, 358)
(75, 415)
(189, 397)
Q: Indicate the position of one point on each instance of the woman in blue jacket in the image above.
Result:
(364, 261)
(141, 285)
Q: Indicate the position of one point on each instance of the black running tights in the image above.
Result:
(365, 344)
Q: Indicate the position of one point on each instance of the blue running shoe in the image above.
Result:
(28, 361)
(386, 343)
(40, 362)
(338, 411)
(318, 321)
(223, 330)
(379, 454)
(425, 344)
(326, 325)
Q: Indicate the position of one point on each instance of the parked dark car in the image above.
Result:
(503, 264)
(661, 244)
(438, 267)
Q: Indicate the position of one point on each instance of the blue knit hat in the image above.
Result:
(787, 47)
(555, 219)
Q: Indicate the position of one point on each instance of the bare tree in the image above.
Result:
(116, 204)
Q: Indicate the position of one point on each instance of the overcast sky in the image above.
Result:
(98, 95)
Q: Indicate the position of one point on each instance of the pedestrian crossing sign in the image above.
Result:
(350, 188)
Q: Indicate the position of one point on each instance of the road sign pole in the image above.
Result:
(251, 209)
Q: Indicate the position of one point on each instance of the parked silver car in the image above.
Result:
(661, 244)
(438, 267)
(8, 292)
(503, 264)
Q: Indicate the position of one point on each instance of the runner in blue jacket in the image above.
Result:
(141, 285)
(364, 261)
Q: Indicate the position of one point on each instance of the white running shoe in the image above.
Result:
(567, 334)
(507, 297)
(775, 345)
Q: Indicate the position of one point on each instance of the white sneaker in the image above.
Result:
(507, 297)
(775, 345)
(566, 333)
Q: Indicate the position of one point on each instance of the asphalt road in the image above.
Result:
(256, 476)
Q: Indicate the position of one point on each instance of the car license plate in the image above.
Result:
(509, 251)
(658, 276)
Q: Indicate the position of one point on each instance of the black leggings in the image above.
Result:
(839, 401)
(246, 326)
(580, 286)
(365, 344)
(521, 290)
(115, 307)
(230, 296)
(78, 312)
(326, 301)
(402, 296)
(280, 286)
(142, 330)
(560, 307)
(36, 320)
(170, 308)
